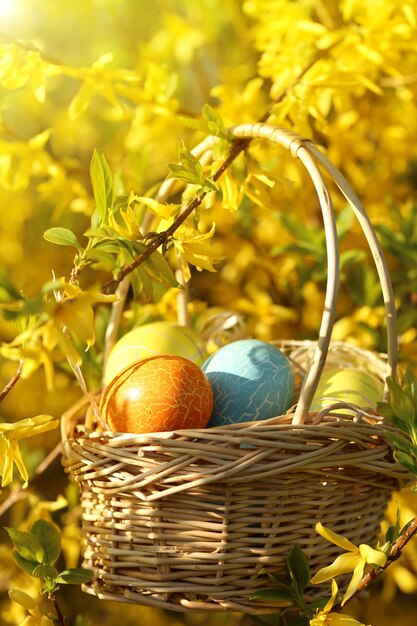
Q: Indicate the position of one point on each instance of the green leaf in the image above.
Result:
(51, 285)
(129, 247)
(402, 443)
(393, 532)
(136, 282)
(188, 160)
(148, 284)
(74, 576)
(96, 220)
(26, 565)
(102, 259)
(26, 544)
(136, 247)
(400, 402)
(8, 292)
(192, 122)
(214, 122)
(405, 527)
(49, 586)
(344, 222)
(158, 267)
(320, 603)
(272, 595)
(351, 256)
(299, 568)
(45, 572)
(105, 245)
(62, 237)
(178, 171)
(406, 461)
(408, 317)
(209, 185)
(385, 409)
(387, 545)
(302, 233)
(303, 247)
(189, 169)
(211, 122)
(279, 583)
(410, 386)
(363, 285)
(49, 538)
(101, 232)
(102, 182)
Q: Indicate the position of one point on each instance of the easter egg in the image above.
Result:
(347, 385)
(154, 339)
(251, 379)
(157, 394)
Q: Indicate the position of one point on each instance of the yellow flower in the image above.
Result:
(193, 249)
(101, 80)
(326, 618)
(9, 448)
(72, 314)
(355, 560)
(21, 160)
(74, 310)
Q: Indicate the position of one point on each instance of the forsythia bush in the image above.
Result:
(107, 90)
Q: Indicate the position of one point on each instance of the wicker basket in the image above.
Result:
(187, 520)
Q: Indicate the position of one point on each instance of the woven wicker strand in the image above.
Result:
(187, 520)
(298, 147)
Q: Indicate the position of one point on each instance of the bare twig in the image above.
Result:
(47, 461)
(52, 597)
(16, 494)
(402, 541)
(12, 382)
(30, 47)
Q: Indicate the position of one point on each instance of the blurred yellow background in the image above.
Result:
(131, 77)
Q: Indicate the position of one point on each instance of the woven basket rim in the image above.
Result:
(307, 445)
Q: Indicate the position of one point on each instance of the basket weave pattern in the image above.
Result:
(188, 520)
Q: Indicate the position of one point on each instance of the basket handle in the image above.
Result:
(308, 154)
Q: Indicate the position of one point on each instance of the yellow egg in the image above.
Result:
(154, 339)
(347, 385)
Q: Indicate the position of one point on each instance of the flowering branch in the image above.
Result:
(354, 560)
(237, 146)
(394, 554)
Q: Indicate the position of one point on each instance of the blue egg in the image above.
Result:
(251, 379)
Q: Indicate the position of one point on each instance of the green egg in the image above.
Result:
(347, 385)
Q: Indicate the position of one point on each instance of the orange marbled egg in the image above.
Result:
(160, 393)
